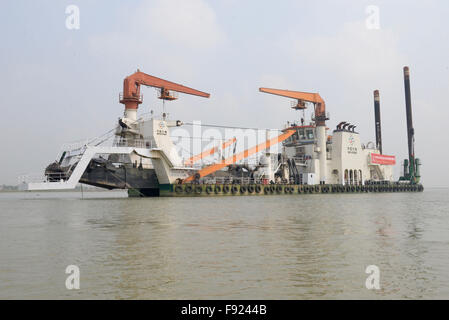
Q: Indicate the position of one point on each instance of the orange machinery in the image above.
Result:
(320, 120)
(131, 96)
(209, 152)
(302, 97)
(240, 156)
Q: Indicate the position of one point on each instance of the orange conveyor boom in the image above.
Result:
(209, 152)
(240, 156)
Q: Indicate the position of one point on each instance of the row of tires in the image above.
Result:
(234, 189)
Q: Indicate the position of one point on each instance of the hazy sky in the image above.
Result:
(60, 85)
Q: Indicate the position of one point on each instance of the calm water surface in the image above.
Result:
(271, 247)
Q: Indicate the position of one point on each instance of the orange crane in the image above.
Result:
(320, 120)
(240, 156)
(131, 96)
(302, 98)
(209, 152)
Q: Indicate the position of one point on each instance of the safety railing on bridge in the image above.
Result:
(38, 177)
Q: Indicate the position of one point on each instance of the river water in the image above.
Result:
(267, 247)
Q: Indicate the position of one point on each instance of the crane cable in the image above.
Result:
(227, 127)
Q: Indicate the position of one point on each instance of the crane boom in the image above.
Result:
(242, 155)
(131, 89)
(315, 98)
(306, 96)
(209, 152)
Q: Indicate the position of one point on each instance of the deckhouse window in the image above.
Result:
(309, 134)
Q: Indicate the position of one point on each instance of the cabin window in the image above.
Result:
(309, 134)
(301, 134)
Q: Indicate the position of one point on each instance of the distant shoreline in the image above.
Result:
(69, 190)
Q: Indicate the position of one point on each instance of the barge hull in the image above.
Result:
(208, 190)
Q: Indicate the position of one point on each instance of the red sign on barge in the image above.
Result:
(382, 159)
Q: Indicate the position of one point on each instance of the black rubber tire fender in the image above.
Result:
(188, 188)
(178, 189)
(198, 189)
(209, 189)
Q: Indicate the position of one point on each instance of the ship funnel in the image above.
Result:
(340, 124)
(377, 121)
